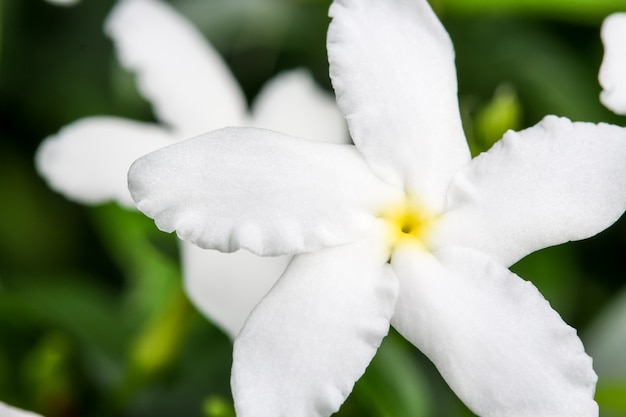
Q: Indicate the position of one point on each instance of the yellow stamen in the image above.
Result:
(409, 222)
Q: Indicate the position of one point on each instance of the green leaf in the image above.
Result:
(393, 384)
(215, 406)
(47, 372)
(77, 307)
(574, 10)
(502, 113)
(611, 397)
(147, 257)
(158, 345)
(549, 74)
(156, 304)
(547, 269)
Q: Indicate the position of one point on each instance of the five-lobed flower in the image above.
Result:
(402, 228)
(192, 91)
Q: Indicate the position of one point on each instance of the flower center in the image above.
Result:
(408, 222)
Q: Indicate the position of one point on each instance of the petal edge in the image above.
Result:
(246, 188)
(312, 337)
(554, 182)
(494, 338)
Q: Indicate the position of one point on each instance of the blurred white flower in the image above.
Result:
(8, 411)
(612, 74)
(64, 2)
(403, 228)
(192, 91)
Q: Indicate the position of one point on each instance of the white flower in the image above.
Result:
(8, 411)
(192, 91)
(403, 228)
(613, 70)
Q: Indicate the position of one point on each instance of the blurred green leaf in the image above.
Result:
(202, 371)
(556, 273)
(69, 67)
(393, 384)
(611, 397)
(218, 407)
(156, 305)
(556, 78)
(147, 257)
(502, 113)
(576, 10)
(605, 340)
(47, 372)
(76, 306)
(159, 344)
(30, 222)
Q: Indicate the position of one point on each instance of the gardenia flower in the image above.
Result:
(192, 91)
(613, 70)
(8, 411)
(403, 228)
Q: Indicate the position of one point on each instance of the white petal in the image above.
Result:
(88, 160)
(227, 286)
(612, 74)
(549, 184)
(493, 337)
(246, 188)
(8, 411)
(312, 337)
(178, 71)
(292, 103)
(392, 67)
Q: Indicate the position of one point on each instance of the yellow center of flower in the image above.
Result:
(408, 222)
